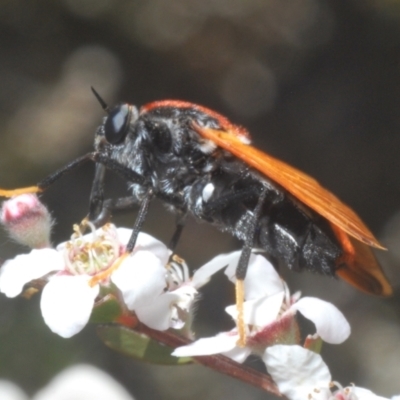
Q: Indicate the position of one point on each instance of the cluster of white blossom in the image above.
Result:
(78, 273)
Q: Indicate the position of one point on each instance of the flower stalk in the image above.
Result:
(216, 362)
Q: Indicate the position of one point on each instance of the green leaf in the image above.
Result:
(138, 345)
(107, 310)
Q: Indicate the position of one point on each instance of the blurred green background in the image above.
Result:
(317, 83)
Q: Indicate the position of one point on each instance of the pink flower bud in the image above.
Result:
(27, 221)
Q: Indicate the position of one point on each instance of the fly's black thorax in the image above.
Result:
(214, 186)
(162, 146)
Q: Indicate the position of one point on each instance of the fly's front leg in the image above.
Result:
(100, 209)
(112, 206)
(49, 180)
(97, 193)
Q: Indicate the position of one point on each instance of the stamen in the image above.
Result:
(91, 255)
(105, 274)
(177, 272)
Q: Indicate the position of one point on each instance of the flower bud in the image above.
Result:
(27, 221)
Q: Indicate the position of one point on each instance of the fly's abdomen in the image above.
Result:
(292, 235)
(298, 238)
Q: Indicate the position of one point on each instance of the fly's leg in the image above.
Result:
(180, 224)
(49, 180)
(111, 206)
(97, 193)
(97, 188)
(220, 203)
(243, 264)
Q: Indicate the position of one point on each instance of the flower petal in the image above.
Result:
(261, 278)
(330, 323)
(10, 391)
(67, 302)
(203, 274)
(157, 314)
(124, 234)
(143, 241)
(259, 312)
(169, 310)
(297, 371)
(222, 343)
(238, 354)
(147, 242)
(140, 278)
(15, 273)
(364, 394)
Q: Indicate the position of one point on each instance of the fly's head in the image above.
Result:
(116, 129)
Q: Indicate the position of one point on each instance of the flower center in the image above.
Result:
(93, 253)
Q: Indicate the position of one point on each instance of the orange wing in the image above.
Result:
(299, 184)
(359, 266)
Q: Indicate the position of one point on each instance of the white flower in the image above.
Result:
(299, 373)
(268, 313)
(79, 267)
(10, 391)
(354, 393)
(302, 374)
(80, 382)
(262, 308)
(172, 308)
(83, 382)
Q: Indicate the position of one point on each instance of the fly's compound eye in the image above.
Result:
(117, 123)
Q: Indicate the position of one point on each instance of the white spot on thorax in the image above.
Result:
(207, 146)
(208, 190)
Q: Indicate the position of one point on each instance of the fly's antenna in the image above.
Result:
(103, 104)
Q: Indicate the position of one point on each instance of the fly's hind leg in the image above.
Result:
(243, 264)
(180, 224)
